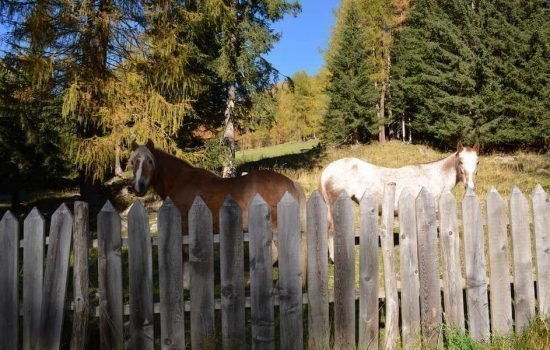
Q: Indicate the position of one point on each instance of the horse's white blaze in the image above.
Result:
(138, 174)
(468, 161)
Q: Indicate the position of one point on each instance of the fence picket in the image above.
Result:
(317, 279)
(9, 248)
(140, 275)
(474, 260)
(524, 294)
(428, 262)
(33, 276)
(55, 279)
(261, 275)
(450, 256)
(80, 275)
(541, 213)
(391, 331)
(232, 275)
(344, 273)
(368, 273)
(201, 258)
(110, 278)
(290, 272)
(499, 275)
(410, 283)
(172, 326)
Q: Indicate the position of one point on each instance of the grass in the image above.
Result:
(274, 151)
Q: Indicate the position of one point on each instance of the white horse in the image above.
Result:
(355, 176)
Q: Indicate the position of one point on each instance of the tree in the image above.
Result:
(351, 114)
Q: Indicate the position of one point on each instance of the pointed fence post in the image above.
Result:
(9, 248)
(172, 326)
(80, 275)
(476, 276)
(344, 273)
(34, 229)
(450, 256)
(55, 279)
(201, 258)
(524, 294)
(499, 275)
(428, 261)
(140, 273)
(109, 244)
(261, 275)
(410, 283)
(290, 272)
(317, 273)
(541, 214)
(232, 275)
(368, 273)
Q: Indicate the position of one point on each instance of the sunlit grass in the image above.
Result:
(274, 151)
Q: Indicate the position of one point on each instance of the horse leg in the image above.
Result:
(330, 240)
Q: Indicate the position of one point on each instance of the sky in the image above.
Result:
(304, 38)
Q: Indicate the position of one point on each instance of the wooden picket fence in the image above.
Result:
(433, 258)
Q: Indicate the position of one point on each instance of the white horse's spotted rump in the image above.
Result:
(355, 176)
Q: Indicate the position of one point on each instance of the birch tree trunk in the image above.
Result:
(229, 135)
(118, 167)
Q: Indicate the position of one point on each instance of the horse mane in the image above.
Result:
(157, 152)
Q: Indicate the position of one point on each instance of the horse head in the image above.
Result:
(466, 164)
(142, 162)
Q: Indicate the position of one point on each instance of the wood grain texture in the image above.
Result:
(81, 239)
(109, 278)
(9, 248)
(368, 273)
(541, 213)
(428, 262)
(172, 324)
(34, 229)
(476, 276)
(344, 273)
(410, 283)
(261, 275)
(290, 273)
(55, 279)
(524, 291)
(499, 273)
(317, 280)
(140, 273)
(232, 275)
(449, 236)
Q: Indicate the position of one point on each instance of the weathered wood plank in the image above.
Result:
(344, 273)
(81, 241)
(524, 294)
(110, 278)
(290, 273)
(541, 213)
(172, 326)
(317, 279)
(391, 331)
(261, 275)
(55, 279)
(201, 258)
(34, 229)
(368, 273)
(140, 275)
(499, 274)
(9, 248)
(428, 262)
(476, 276)
(450, 256)
(232, 275)
(410, 283)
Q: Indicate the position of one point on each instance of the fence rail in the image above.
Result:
(440, 254)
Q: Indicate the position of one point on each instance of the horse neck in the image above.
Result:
(444, 173)
(168, 170)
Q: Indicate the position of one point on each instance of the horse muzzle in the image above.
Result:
(138, 189)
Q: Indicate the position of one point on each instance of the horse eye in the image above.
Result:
(150, 162)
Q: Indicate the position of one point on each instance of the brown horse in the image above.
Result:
(172, 177)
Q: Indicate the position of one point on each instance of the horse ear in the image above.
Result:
(459, 147)
(476, 147)
(134, 145)
(150, 144)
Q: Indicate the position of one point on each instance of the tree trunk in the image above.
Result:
(381, 128)
(229, 135)
(118, 167)
(403, 131)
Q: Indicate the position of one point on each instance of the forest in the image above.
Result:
(81, 80)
